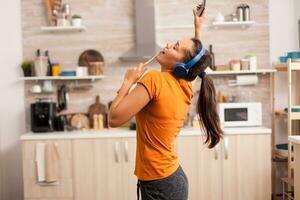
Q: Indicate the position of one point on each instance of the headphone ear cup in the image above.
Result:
(180, 70)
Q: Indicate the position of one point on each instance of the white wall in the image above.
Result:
(297, 17)
(283, 27)
(12, 119)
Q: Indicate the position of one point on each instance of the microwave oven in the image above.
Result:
(240, 114)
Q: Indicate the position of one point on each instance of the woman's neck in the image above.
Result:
(164, 69)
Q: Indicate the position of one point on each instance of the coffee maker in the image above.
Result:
(43, 114)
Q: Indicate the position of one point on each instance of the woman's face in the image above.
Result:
(174, 53)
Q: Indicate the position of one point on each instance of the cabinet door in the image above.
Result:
(32, 189)
(129, 179)
(246, 167)
(97, 169)
(202, 167)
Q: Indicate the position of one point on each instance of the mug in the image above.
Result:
(36, 89)
(219, 17)
(47, 86)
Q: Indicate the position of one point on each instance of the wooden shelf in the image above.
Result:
(295, 115)
(288, 181)
(281, 113)
(62, 28)
(45, 78)
(282, 67)
(259, 71)
(231, 24)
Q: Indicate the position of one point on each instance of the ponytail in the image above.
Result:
(207, 103)
(208, 114)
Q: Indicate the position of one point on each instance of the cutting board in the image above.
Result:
(95, 109)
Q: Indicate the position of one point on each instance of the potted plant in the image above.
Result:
(27, 67)
(76, 20)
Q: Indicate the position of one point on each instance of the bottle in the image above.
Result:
(49, 68)
(213, 66)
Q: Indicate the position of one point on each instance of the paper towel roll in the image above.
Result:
(246, 80)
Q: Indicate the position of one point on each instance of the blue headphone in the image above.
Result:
(181, 69)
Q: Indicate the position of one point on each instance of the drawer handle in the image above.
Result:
(116, 152)
(226, 148)
(126, 151)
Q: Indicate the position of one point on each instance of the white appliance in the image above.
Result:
(240, 114)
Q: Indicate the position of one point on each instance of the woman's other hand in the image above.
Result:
(199, 20)
(133, 74)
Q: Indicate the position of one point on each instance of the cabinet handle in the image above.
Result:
(117, 152)
(216, 151)
(226, 147)
(126, 151)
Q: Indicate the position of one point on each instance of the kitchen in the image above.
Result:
(243, 166)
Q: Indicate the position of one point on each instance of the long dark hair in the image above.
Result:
(207, 102)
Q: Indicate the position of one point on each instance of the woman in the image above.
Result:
(160, 103)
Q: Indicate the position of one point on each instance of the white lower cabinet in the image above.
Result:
(32, 189)
(202, 167)
(103, 169)
(239, 168)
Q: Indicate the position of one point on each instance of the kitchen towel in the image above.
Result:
(40, 161)
(47, 162)
(51, 163)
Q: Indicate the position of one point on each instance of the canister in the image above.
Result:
(55, 69)
(252, 62)
(246, 12)
(239, 13)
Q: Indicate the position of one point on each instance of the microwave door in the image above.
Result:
(236, 117)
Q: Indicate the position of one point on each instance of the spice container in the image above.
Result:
(245, 64)
(235, 65)
(252, 62)
(100, 122)
(95, 122)
(55, 69)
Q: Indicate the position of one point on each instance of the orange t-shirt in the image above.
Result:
(158, 124)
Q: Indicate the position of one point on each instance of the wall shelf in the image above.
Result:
(282, 67)
(62, 29)
(61, 78)
(259, 71)
(231, 24)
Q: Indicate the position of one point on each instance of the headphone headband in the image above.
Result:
(194, 60)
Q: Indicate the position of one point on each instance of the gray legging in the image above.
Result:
(173, 187)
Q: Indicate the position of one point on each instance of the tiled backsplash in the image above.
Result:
(110, 30)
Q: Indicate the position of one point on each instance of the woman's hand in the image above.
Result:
(133, 74)
(198, 21)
